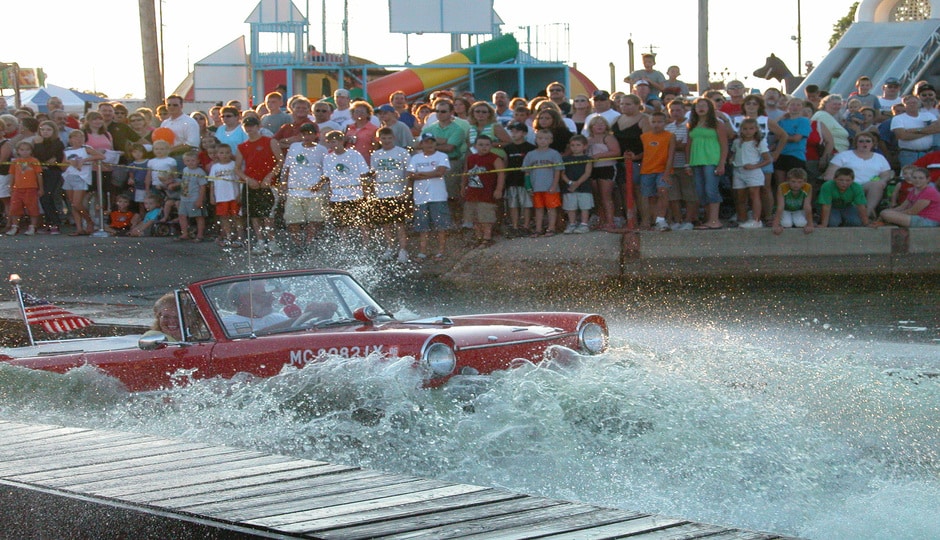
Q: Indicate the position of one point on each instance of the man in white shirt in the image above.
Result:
(184, 128)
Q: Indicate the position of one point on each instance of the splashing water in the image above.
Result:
(723, 425)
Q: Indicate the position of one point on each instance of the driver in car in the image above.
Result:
(255, 311)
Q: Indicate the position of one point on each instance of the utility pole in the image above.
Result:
(153, 79)
(702, 47)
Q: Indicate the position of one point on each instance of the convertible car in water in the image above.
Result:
(260, 323)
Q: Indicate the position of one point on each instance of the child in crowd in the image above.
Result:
(162, 171)
(682, 187)
(659, 148)
(26, 188)
(842, 202)
(302, 172)
(225, 196)
(922, 206)
(602, 146)
(522, 115)
(794, 203)
(77, 178)
(483, 189)
(545, 166)
(137, 180)
(345, 171)
(122, 219)
(517, 198)
(152, 207)
(426, 170)
(578, 195)
(392, 206)
(192, 197)
(749, 155)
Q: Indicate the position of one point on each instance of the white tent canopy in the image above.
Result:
(73, 101)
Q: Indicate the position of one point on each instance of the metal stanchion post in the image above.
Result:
(100, 233)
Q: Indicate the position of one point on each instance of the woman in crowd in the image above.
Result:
(50, 151)
(361, 133)
(202, 121)
(580, 109)
(627, 129)
(142, 131)
(550, 119)
(828, 115)
(483, 122)
(871, 169)
(708, 152)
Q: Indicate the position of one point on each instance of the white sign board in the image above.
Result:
(442, 16)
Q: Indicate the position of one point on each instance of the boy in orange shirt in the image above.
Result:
(659, 146)
(26, 188)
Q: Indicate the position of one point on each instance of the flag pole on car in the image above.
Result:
(15, 280)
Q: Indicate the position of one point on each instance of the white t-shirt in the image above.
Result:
(610, 114)
(430, 189)
(389, 166)
(906, 121)
(344, 171)
(76, 153)
(865, 169)
(185, 128)
(305, 167)
(224, 190)
(160, 165)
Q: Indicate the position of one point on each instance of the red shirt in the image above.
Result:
(480, 183)
(258, 156)
(26, 173)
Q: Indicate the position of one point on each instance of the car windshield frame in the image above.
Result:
(276, 301)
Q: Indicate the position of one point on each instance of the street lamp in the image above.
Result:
(798, 38)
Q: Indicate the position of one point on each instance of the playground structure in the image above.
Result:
(889, 38)
(488, 65)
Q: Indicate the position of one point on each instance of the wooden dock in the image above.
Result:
(62, 482)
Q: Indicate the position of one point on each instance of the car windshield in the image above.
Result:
(287, 303)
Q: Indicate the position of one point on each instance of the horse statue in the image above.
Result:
(774, 68)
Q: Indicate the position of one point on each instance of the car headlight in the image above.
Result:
(592, 338)
(440, 359)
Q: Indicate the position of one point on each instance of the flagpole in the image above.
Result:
(15, 280)
(100, 233)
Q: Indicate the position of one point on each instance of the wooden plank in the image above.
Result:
(560, 512)
(738, 534)
(181, 475)
(227, 490)
(259, 504)
(646, 523)
(131, 464)
(322, 527)
(66, 459)
(448, 523)
(80, 444)
(296, 522)
(685, 531)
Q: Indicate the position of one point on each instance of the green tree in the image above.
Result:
(842, 25)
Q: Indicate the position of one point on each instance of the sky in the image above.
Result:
(741, 36)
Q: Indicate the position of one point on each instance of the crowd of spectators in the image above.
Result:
(497, 166)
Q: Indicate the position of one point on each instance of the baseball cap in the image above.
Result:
(923, 87)
(251, 121)
(309, 127)
(385, 108)
(892, 81)
(427, 136)
(518, 126)
(641, 81)
(601, 95)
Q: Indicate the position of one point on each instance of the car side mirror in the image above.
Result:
(152, 342)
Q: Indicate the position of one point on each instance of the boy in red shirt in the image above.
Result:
(26, 188)
(482, 188)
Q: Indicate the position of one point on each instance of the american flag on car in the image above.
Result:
(51, 317)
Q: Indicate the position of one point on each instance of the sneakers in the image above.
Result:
(751, 224)
(54, 230)
(13, 230)
(30, 231)
(687, 226)
(570, 228)
(402, 256)
(259, 248)
(582, 229)
(274, 249)
(422, 256)
(661, 225)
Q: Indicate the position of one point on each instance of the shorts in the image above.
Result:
(603, 173)
(683, 187)
(785, 163)
(546, 199)
(391, 210)
(24, 199)
(433, 216)
(228, 209)
(303, 210)
(348, 213)
(747, 178)
(188, 208)
(5, 182)
(518, 197)
(140, 195)
(917, 221)
(650, 184)
(74, 182)
(479, 212)
(259, 203)
(767, 169)
(571, 202)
